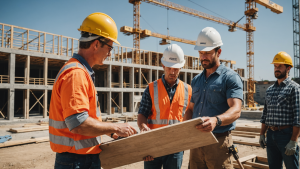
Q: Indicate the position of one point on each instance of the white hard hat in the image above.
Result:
(208, 39)
(173, 57)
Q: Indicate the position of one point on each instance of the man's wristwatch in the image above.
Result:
(219, 121)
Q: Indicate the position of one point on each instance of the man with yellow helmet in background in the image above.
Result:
(280, 117)
(75, 123)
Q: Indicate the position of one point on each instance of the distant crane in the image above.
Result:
(250, 12)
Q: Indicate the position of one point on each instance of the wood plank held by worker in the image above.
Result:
(161, 141)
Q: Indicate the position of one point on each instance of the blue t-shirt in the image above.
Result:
(210, 94)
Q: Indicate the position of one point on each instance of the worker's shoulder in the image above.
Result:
(229, 72)
(294, 84)
(189, 86)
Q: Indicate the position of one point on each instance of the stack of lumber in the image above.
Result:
(253, 162)
(244, 131)
(19, 142)
(111, 119)
(36, 124)
(28, 129)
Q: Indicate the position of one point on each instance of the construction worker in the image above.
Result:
(280, 117)
(217, 98)
(164, 102)
(74, 119)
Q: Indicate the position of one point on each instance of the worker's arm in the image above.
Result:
(232, 114)
(189, 112)
(296, 133)
(142, 123)
(263, 129)
(296, 113)
(93, 127)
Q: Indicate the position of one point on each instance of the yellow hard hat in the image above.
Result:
(100, 24)
(282, 58)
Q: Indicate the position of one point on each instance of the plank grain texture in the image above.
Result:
(156, 143)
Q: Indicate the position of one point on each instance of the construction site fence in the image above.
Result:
(20, 38)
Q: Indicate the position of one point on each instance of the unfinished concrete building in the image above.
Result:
(31, 59)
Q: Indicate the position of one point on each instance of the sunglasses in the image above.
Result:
(111, 48)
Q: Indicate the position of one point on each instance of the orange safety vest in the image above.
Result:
(61, 139)
(164, 113)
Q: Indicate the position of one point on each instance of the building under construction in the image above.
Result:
(31, 59)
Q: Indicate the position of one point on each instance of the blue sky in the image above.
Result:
(274, 32)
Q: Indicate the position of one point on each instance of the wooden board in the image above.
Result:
(28, 129)
(19, 142)
(245, 132)
(248, 129)
(257, 165)
(243, 135)
(156, 143)
(247, 143)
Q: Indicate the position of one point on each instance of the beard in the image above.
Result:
(210, 64)
(281, 75)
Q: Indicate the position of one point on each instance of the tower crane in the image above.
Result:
(250, 12)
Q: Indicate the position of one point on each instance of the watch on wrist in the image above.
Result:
(219, 121)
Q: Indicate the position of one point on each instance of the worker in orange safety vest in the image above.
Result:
(164, 102)
(75, 125)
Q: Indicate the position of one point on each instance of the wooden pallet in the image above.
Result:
(253, 162)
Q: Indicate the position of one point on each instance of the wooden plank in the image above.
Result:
(247, 143)
(19, 142)
(244, 135)
(245, 132)
(28, 129)
(257, 165)
(245, 166)
(249, 129)
(162, 141)
(262, 159)
(249, 157)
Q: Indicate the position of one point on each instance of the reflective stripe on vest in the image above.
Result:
(67, 67)
(80, 144)
(156, 105)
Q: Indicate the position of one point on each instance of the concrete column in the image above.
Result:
(12, 68)
(26, 103)
(11, 91)
(140, 78)
(191, 78)
(45, 104)
(121, 77)
(121, 102)
(108, 103)
(131, 77)
(46, 71)
(108, 82)
(11, 104)
(156, 75)
(185, 77)
(131, 101)
(150, 76)
(27, 70)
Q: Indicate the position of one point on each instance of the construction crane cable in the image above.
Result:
(148, 24)
(209, 10)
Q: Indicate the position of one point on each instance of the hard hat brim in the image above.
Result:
(173, 65)
(282, 63)
(203, 48)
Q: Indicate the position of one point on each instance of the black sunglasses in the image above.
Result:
(111, 47)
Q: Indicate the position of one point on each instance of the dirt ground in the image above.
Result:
(41, 156)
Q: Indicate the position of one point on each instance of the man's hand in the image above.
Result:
(115, 136)
(208, 125)
(125, 130)
(291, 148)
(148, 158)
(262, 141)
(144, 128)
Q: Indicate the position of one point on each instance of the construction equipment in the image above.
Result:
(234, 151)
(250, 11)
(296, 39)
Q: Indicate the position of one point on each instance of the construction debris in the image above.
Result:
(253, 162)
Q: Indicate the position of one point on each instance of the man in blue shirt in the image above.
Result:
(217, 98)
